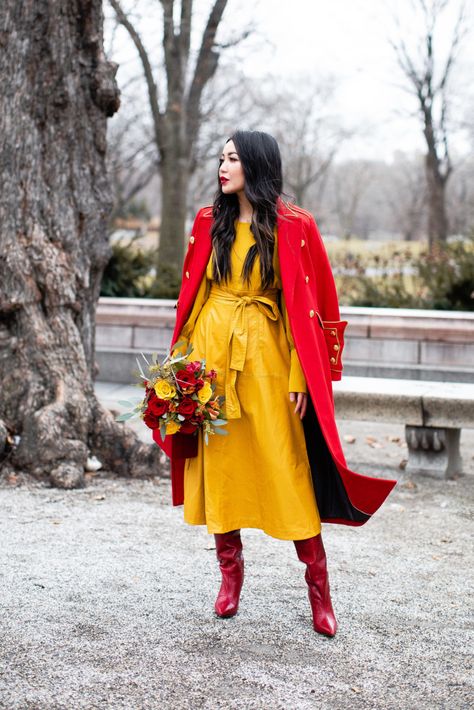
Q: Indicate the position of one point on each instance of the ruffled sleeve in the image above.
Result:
(296, 382)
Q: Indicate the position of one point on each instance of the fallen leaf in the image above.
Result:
(99, 498)
(356, 689)
(436, 557)
(375, 445)
(369, 439)
(349, 438)
(393, 439)
(409, 484)
(403, 464)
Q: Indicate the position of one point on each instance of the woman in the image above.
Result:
(258, 302)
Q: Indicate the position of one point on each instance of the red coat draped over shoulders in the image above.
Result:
(308, 286)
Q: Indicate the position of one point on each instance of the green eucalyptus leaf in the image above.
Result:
(124, 417)
(222, 432)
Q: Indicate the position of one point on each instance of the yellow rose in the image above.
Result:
(172, 427)
(164, 389)
(205, 393)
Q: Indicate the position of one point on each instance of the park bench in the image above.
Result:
(433, 414)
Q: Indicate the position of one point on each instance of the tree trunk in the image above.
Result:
(56, 91)
(437, 217)
(174, 188)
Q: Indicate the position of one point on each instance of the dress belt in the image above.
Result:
(237, 336)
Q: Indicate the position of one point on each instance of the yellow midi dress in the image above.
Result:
(258, 476)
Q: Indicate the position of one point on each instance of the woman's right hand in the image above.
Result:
(301, 402)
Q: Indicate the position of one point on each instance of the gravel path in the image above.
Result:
(106, 601)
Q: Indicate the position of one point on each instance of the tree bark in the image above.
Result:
(57, 90)
(175, 180)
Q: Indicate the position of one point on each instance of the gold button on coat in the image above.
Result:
(187, 274)
(335, 347)
(311, 313)
(306, 278)
(191, 239)
(333, 360)
(302, 242)
(333, 333)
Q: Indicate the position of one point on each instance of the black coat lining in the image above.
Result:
(331, 496)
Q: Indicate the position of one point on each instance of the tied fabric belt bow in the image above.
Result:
(237, 336)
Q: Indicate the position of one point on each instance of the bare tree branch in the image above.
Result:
(147, 69)
(206, 66)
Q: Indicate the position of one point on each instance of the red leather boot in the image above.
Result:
(231, 563)
(311, 552)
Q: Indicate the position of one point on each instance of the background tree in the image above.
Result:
(429, 80)
(131, 162)
(405, 194)
(349, 182)
(309, 135)
(177, 115)
(57, 90)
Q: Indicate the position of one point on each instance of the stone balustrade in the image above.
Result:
(380, 342)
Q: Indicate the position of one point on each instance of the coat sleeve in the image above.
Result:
(188, 328)
(296, 381)
(201, 296)
(326, 295)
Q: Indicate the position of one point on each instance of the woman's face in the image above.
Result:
(231, 174)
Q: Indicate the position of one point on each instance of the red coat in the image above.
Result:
(311, 300)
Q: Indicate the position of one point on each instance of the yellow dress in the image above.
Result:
(258, 476)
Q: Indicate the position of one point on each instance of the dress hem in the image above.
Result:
(256, 526)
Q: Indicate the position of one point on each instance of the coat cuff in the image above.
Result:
(297, 382)
(334, 335)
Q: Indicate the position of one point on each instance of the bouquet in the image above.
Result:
(179, 396)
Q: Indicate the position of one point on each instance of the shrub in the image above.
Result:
(397, 278)
(449, 275)
(131, 273)
(124, 271)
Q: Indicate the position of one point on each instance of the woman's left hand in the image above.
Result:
(301, 402)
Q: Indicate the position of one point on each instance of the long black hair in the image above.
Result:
(260, 157)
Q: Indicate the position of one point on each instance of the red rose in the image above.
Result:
(199, 384)
(151, 421)
(187, 407)
(193, 366)
(187, 428)
(186, 381)
(212, 374)
(157, 407)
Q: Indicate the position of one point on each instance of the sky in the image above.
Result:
(348, 40)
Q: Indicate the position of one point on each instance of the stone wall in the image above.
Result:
(380, 342)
